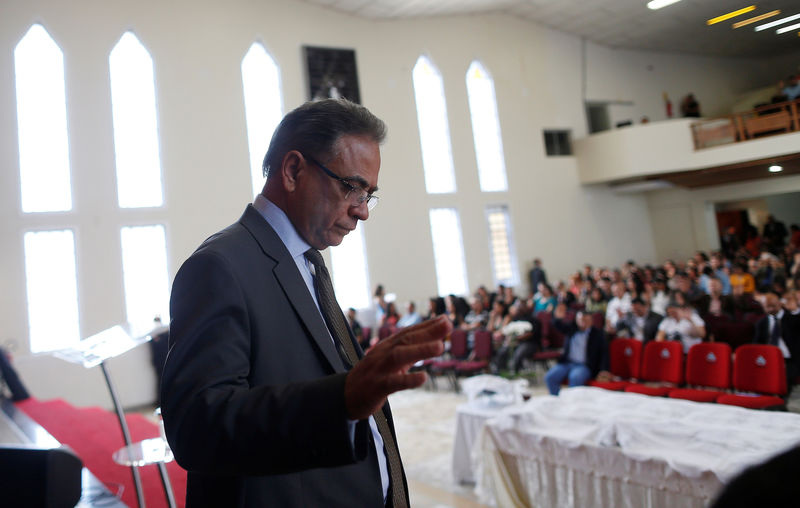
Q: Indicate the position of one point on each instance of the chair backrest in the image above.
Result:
(759, 368)
(625, 357)
(483, 345)
(458, 343)
(663, 361)
(599, 320)
(709, 364)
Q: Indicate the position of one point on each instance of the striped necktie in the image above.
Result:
(338, 328)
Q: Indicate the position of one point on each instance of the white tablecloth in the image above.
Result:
(596, 448)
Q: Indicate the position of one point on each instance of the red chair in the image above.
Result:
(662, 363)
(625, 360)
(458, 352)
(708, 365)
(481, 354)
(760, 370)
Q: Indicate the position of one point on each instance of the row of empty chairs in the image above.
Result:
(753, 377)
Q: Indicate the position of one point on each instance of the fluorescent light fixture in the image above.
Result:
(777, 22)
(787, 28)
(775, 168)
(730, 15)
(756, 19)
(657, 4)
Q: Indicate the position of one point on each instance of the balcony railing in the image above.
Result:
(762, 121)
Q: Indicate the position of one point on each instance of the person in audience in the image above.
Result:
(545, 301)
(715, 303)
(411, 317)
(516, 343)
(497, 316)
(690, 107)
(358, 330)
(596, 301)
(774, 234)
(730, 242)
(719, 271)
(391, 317)
(794, 238)
(640, 323)
(486, 299)
(618, 306)
(585, 353)
(509, 296)
(436, 307)
(658, 296)
(453, 310)
(791, 303)
(682, 324)
(536, 275)
(743, 303)
(563, 295)
(792, 89)
(379, 301)
(781, 328)
(475, 319)
(742, 279)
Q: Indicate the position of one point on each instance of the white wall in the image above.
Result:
(197, 47)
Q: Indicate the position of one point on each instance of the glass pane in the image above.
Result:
(133, 106)
(144, 269)
(434, 133)
(349, 265)
(448, 252)
(262, 105)
(486, 129)
(52, 290)
(501, 246)
(42, 123)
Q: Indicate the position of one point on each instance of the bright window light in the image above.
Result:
(133, 106)
(486, 129)
(448, 252)
(501, 245)
(42, 123)
(262, 105)
(434, 134)
(144, 271)
(349, 264)
(52, 290)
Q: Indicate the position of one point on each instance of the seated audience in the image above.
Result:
(619, 305)
(411, 317)
(521, 338)
(690, 107)
(640, 323)
(742, 278)
(658, 295)
(792, 89)
(715, 303)
(682, 324)
(497, 316)
(585, 352)
(596, 301)
(781, 328)
(358, 330)
(545, 301)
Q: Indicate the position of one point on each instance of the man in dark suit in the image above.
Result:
(781, 328)
(640, 323)
(266, 396)
(585, 351)
(536, 276)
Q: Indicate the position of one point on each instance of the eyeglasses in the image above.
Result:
(356, 195)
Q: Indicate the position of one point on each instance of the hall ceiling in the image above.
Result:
(626, 24)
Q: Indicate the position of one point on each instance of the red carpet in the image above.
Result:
(94, 434)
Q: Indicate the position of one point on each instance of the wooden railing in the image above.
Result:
(762, 121)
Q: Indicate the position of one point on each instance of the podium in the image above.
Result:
(96, 350)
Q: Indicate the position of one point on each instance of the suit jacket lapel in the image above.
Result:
(293, 284)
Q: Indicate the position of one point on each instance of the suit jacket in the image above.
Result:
(596, 347)
(253, 389)
(790, 331)
(651, 322)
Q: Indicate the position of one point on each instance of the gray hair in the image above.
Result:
(314, 128)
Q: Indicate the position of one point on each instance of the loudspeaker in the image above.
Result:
(33, 477)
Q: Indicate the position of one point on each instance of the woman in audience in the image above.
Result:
(497, 316)
(596, 301)
(545, 301)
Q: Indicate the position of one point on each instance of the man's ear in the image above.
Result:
(291, 166)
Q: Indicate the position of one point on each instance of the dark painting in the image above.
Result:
(332, 73)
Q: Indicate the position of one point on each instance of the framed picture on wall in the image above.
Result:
(331, 73)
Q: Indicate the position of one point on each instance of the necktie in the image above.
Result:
(338, 328)
(776, 331)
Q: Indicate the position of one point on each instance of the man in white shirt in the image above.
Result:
(618, 306)
(682, 323)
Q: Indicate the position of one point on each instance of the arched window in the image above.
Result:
(133, 106)
(262, 105)
(448, 252)
(145, 275)
(349, 264)
(434, 133)
(42, 123)
(486, 129)
(52, 290)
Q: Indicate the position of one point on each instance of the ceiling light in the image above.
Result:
(756, 19)
(777, 22)
(731, 15)
(657, 4)
(775, 169)
(787, 28)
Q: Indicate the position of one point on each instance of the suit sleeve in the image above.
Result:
(215, 421)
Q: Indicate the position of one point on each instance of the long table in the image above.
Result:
(590, 447)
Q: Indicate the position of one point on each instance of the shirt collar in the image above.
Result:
(280, 222)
